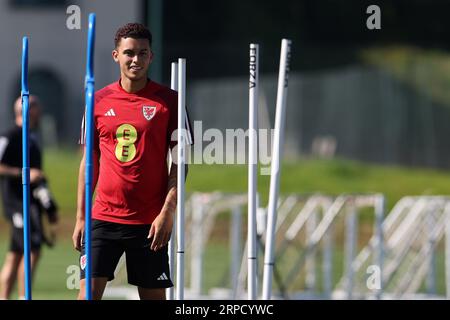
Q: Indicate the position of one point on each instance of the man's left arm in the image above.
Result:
(161, 228)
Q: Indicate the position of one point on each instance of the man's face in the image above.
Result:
(35, 115)
(134, 57)
(34, 112)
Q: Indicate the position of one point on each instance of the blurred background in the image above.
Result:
(367, 111)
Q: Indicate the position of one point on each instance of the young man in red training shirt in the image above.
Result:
(135, 202)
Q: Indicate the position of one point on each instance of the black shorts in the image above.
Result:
(36, 235)
(145, 268)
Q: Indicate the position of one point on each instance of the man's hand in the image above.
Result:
(78, 234)
(160, 230)
(36, 175)
(53, 232)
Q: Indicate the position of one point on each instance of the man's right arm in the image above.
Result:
(80, 218)
(7, 171)
(15, 172)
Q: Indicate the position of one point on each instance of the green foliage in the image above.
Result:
(426, 71)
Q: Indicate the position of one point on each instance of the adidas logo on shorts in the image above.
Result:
(163, 277)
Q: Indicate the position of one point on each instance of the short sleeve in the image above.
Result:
(4, 143)
(82, 139)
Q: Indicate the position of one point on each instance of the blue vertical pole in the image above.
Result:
(26, 170)
(89, 95)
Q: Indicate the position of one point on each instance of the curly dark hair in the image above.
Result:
(133, 30)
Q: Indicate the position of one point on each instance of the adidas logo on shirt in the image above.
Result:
(163, 277)
(110, 113)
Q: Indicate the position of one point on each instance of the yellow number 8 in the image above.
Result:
(126, 136)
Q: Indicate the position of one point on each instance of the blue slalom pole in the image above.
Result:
(26, 170)
(89, 95)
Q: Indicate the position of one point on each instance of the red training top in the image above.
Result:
(133, 134)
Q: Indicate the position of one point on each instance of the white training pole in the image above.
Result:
(431, 275)
(235, 248)
(170, 292)
(327, 260)
(275, 169)
(197, 242)
(252, 171)
(310, 262)
(351, 225)
(447, 250)
(180, 177)
(379, 233)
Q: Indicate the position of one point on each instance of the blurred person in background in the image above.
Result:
(41, 201)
